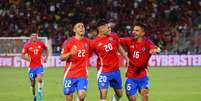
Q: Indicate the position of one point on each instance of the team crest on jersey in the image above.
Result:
(143, 49)
(86, 45)
(110, 39)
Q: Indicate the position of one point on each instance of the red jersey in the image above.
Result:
(34, 51)
(106, 48)
(77, 64)
(138, 53)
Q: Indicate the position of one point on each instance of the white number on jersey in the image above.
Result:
(108, 47)
(35, 51)
(81, 53)
(136, 54)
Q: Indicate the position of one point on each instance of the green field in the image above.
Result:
(167, 84)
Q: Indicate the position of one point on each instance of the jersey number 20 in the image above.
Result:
(108, 47)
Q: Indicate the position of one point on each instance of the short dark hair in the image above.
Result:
(76, 20)
(34, 33)
(101, 22)
(142, 25)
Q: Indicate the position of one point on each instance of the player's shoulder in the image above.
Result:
(126, 39)
(68, 41)
(96, 39)
(27, 44)
(114, 34)
(86, 39)
(40, 42)
(147, 40)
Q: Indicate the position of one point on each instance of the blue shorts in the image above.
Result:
(72, 84)
(135, 84)
(33, 72)
(111, 78)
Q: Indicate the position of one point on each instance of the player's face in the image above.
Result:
(109, 28)
(79, 29)
(104, 29)
(138, 32)
(34, 37)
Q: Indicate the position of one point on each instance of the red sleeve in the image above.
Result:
(150, 44)
(116, 37)
(124, 41)
(25, 49)
(66, 46)
(43, 45)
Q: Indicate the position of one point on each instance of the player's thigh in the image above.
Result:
(103, 81)
(132, 98)
(82, 84)
(32, 73)
(116, 81)
(144, 85)
(118, 92)
(69, 86)
(40, 72)
(131, 87)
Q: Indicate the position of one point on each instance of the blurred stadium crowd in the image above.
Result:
(174, 25)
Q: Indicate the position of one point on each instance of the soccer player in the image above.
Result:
(106, 46)
(32, 52)
(139, 50)
(76, 53)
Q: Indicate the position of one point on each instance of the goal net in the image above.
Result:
(12, 46)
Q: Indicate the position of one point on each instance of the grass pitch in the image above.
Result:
(166, 84)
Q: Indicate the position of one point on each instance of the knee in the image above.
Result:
(144, 92)
(103, 93)
(119, 94)
(40, 80)
(69, 97)
(82, 95)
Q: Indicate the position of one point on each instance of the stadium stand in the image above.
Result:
(174, 25)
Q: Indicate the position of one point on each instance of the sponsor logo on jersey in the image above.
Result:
(143, 49)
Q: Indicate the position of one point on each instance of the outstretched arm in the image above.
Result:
(123, 53)
(155, 50)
